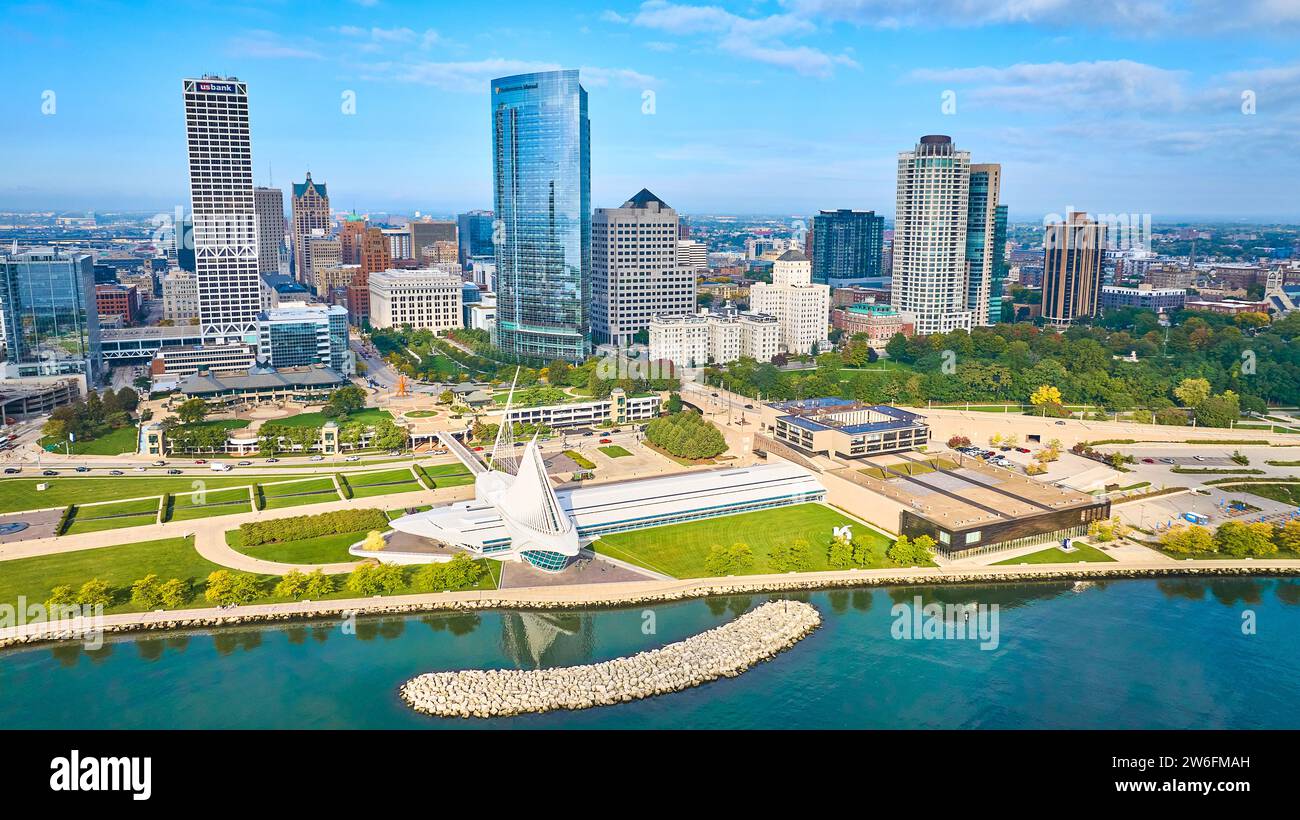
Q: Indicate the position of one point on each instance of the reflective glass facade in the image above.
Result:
(50, 323)
(541, 157)
(847, 247)
(474, 233)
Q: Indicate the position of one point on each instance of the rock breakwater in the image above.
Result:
(724, 652)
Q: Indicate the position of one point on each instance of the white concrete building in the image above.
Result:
(419, 298)
(221, 200)
(635, 271)
(931, 274)
(180, 296)
(714, 338)
(693, 254)
(802, 309)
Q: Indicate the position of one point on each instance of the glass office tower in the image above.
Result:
(983, 250)
(474, 233)
(50, 323)
(847, 247)
(541, 162)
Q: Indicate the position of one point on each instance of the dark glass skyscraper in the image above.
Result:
(847, 247)
(541, 162)
(474, 233)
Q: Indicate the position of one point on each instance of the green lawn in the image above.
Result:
(220, 502)
(420, 414)
(326, 549)
(1053, 555)
(614, 451)
(114, 443)
(368, 415)
(579, 459)
(449, 475)
(383, 483)
(1285, 493)
(17, 494)
(315, 491)
(100, 517)
(680, 549)
(121, 566)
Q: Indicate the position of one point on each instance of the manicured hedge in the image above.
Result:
(64, 520)
(256, 533)
(344, 485)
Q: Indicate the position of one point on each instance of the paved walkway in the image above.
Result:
(642, 591)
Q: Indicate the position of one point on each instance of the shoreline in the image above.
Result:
(625, 594)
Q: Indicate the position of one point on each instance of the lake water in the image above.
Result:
(1122, 654)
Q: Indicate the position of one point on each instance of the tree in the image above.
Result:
(911, 552)
(388, 436)
(1241, 540)
(674, 402)
(731, 559)
(175, 593)
(226, 588)
(147, 592)
(347, 399)
(1218, 411)
(62, 595)
(1287, 537)
(557, 372)
(1191, 392)
(192, 411)
(840, 555)
(374, 541)
(293, 584)
(376, 579)
(791, 556)
(1045, 394)
(958, 441)
(95, 592)
(319, 584)
(446, 397)
(1188, 540)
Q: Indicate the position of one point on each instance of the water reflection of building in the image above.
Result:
(536, 639)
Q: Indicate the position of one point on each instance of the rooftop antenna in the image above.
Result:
(503, 449)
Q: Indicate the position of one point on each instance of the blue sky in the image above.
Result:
(780, 107)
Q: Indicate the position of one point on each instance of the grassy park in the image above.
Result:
(100, 517)
(365, 485)
(315, 491)
(368, 415)
(325, 549)
(113, 443)
(190, 506)
(680, 550)
(1053, 555)
(614, 451)
(17, 494)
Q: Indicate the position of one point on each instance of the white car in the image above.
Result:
(352, 458)
(139, 469)
(316, 458)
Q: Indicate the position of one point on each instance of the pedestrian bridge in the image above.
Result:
(460, 451)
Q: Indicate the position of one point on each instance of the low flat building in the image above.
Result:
(143, 343)
(843, 428)
(1227, 308)
(619, 408)
(305, 385)
(186, 361)
(30, 398)
(1145, 297)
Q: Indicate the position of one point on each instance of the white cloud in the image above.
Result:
(260, 43)
(1063, 87)
(762, 39)
(474, 76)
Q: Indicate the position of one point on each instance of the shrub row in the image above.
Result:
(65, 520)
(255, 533)
(344, 485)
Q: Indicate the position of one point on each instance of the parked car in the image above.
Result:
(50, 472)
(587, 434)
(13, 470)
(1148, 461)
(173, 471)
(1166, 461)
(1062, 423)
(116, 472)
(749, 407)
(1022, 449)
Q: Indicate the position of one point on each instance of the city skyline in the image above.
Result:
(754, 111)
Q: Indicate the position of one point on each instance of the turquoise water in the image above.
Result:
(1124, 654)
